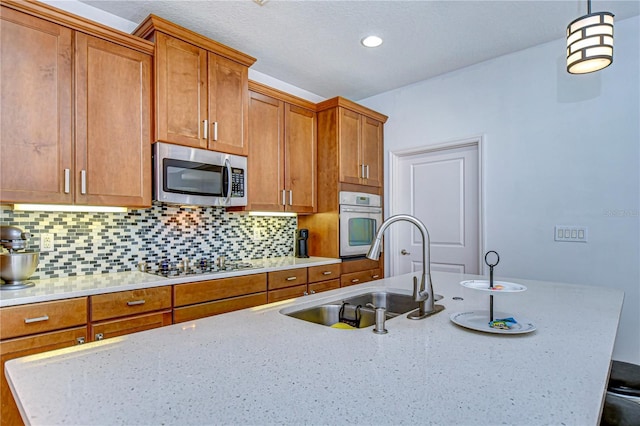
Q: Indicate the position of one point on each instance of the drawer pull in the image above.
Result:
(99, 336)
(80, 341)
(355, 280)
(136, 302)
(292, 278)
(31, 320)
(375, 277)
(326, 273)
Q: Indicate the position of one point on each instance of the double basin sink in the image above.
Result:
(347, 308)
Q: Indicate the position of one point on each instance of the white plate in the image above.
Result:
(498, 286)
(479, 321)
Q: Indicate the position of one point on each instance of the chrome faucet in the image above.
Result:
(424, 294)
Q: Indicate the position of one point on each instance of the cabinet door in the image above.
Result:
(349, 143)
(16, 348)
(228, 105)
(266, 153)
(35, 110)
(371, 149)
(300, 159)
(113, 124)
(181, 92)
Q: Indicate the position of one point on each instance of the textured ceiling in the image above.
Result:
(315, 45)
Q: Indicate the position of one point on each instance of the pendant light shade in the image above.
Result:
(590, 42)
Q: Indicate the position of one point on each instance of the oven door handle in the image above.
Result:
(371, 211)
(227, 164)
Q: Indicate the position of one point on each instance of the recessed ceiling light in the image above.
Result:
(371, 41)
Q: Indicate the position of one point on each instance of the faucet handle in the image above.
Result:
(419, 294)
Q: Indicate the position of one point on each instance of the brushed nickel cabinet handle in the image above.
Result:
(290, 197)
(38, 319)
(136, 302)
(326, 273)
(80, 340)
(67, 181)
(215, 130)
(99, 336)
(83, 182)
(205, 129)
(291, 278)
(355, 280)
(375, 277)
(284, 194)
(367, 168)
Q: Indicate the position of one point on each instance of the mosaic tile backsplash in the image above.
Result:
(98, 243)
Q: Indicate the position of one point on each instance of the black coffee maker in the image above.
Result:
(301, 243)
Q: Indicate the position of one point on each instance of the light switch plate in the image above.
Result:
(571, 233)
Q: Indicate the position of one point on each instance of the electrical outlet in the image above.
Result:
(259, 234)
(47, 242)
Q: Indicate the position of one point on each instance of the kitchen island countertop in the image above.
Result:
(46, 290)
(258, 366)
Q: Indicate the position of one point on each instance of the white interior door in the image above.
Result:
(441, 188)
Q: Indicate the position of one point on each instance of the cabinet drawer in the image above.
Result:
(324, 286)
(202, 310)
(359, 277)
(120, 327)
(41, 317)
(325, 272)
(349, 266)
(287, 293)
(205, 291)
(122, 303)
(288, 278)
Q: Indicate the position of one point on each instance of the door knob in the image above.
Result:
(404, 252)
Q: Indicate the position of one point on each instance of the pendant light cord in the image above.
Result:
(588, 7)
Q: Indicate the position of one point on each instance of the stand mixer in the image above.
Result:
(17, 264)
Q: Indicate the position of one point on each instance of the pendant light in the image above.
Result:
(590, 42)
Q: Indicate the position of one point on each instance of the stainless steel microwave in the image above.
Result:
(197, 177)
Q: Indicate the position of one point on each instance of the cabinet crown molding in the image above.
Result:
(74, 22)
(254, 86)
(155, 23)
(339, 101)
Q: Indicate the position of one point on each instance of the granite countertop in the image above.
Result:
(47, 290)
(258, 366)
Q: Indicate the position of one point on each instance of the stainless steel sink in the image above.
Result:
(328, 313)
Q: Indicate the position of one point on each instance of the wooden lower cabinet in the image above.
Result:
(126, 312)
(30, 345)
(212, 297)
(361, 271)
(300, 282)
(36, 328)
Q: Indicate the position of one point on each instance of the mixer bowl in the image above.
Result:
(17, 267)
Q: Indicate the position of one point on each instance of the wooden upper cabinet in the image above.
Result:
(228, 105)
(371, 150)
(282, 152)
(300, 159)
(351, 166)
(35, 111)
(113, 124)
(356, 133)
(100, 156)
(181, 92)
(202, 97)
(266, 153)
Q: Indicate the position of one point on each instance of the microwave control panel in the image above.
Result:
(237, 182)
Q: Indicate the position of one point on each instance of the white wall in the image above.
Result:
(559, 150)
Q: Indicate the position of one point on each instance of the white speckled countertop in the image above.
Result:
(258, 366)
(63, 288)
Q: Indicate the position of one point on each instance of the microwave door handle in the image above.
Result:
(227, 164)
